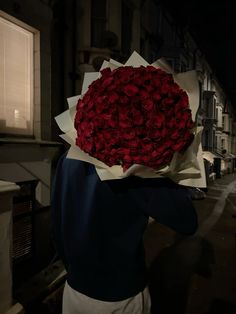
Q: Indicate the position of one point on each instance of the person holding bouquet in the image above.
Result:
(131, 127)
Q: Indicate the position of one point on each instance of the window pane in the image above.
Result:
(126, 27)
(98, 22)
(16, 79)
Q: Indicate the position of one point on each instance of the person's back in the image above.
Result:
(99, 225)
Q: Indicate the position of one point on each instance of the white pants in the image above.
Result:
(78, 303)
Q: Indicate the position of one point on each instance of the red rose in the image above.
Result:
(130, 90)
(107, 81)
(158, 120)
(144, 94)
(156, 96)
(105, 72)
(123, 124)
(113, 97)
(129, 134)
(148, 104)
(137, 118)
(134, 143)
(175, 135)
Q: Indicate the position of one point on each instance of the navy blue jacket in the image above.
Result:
(98, 226)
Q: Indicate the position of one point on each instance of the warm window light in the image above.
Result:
(16, 79)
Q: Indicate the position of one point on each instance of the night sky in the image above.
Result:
(213, 25)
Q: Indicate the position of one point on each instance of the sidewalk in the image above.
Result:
(196, 275)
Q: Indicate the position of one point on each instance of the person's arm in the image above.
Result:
(171, 205)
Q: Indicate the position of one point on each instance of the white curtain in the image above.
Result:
(16, 79)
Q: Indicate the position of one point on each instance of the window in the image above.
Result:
(207, 107)
(222, 144)
(126, 28)
(200, 93)
(16, 78)
(214, 146)
(214, 109)
(98, 22)
(217, 116)
(223, 123)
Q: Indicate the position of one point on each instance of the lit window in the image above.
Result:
(16, 79)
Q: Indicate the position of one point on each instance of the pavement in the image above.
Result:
(197, 274)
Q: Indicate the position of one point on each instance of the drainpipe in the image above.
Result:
(74, 46)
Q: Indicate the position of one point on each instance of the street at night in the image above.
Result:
(113, 112)
(196, 274)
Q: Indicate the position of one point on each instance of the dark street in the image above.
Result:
(196, 274)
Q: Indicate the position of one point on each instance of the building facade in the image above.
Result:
(116, 28)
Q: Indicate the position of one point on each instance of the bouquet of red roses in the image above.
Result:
(134, 116)
(135, 120)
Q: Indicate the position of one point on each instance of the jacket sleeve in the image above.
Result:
(56, 211)
(171, 205)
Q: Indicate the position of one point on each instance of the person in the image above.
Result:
(98, 229)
